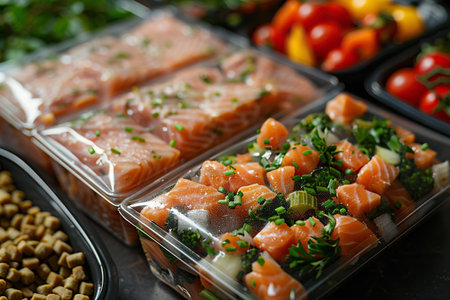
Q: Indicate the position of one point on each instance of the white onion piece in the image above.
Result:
(194, 219)
(386, 226)
(440, 175)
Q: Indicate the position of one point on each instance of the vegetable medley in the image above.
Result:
(278, 216)
(427, 84)
(338, 34)
(26, 26)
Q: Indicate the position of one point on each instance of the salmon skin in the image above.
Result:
(96, 71)
(296, 202)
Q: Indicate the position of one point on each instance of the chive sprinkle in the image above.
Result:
(349, 172)
(300, 223)
(155, 115)
(398, 204)
(307, 152)
(128, 129)
(312, 222)
(295, 164)
(222, 190)
(260, 261)
(179, 127)
(223, 201)
(296, 178)
(321, 189)
(225, 242)
(266, 141)
(279, 221)
(113, 150)
(343, 210)
(286, 146)
(258, 131)
(234, 100)
(338, 163)
(242, 244)
(229, 172)
(280, 210)
(306, 176)
(253, 283)
(273, 218)
(261, 200)
(424, 147)
(310, 191)
(172, 143)
(138, 138)
(230, 249)
(91, 150)
(247, 227)
(97, 133)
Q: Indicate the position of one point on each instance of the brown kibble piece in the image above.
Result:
(54, 279)
(75, 259)
(28, 229)
(59, 235)
(3, 298)
(52, 261)
(53, 297)
(44, 289)
(80, 297)
(38, 297)
(3, 235)
(31, 262)
(12, 233)
(25, 248)
(27, 276)
(4, 255)
(27, 219)
(65, 272)
(71, 283)
(60, 246)
(86, 288)
(13, 275)
(62, 261)
(4, 222)
(21, 237)
(4, 268)
(25, 206)
(64, 293)
(40, 231)
(10, 209)
(5, 178)
(40, 217)
(42, 250)
(2, 286)
(17, 196)
(5, 197)
(34, 210)
(14, 264)
(52, 223)
(14, 253)
(43, 270)
(27, 292)
(16, 221)
(33, 243)
(13, 294)
(78, 273)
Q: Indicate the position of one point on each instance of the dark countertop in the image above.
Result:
(417, 267)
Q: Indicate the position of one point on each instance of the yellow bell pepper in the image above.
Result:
(360, 8)
(298, 48)
(409, 22)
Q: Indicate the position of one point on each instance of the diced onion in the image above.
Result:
(386, 226)
(440, 175)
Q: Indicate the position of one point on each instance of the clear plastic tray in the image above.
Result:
(61, 142)
(102, 271)
(168, 257)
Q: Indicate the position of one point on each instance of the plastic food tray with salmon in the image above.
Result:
(145, 133)
(291, 212)
(77, 77)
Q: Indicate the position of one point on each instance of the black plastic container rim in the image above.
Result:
(375, 87)
(107, 269)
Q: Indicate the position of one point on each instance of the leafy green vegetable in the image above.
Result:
(416, 181)
(320, 121)
(26, 26)
(248, 258)
(369, 135)
(190, 238)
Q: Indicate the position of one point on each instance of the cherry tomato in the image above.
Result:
(339, 59)
(383, 23)
(404, 85)
(286, 16)
(325, 37)
(338, 13)
(310, 14)
(278, 39)
(431, 100)
(262, 35)
(431, 60)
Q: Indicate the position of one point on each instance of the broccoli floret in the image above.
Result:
(370, 134)
(321, 121)
(190, 238)
(172, 222)
(416, 181)
(248, 258)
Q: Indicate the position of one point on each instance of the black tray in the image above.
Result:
(375, 85)
(102, 271)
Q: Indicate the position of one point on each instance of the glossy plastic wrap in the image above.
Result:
(102, 271)
(168, 257)
(143, 134)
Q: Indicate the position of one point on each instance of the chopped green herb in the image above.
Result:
(312, 222)
(424, 147)
(91, 150)
(222, 190)
(172, 143)
(128, 129)
(398, 204)
(234, 100)
(230, 249)
(138, 138)
(205, 78)
(225, 242)
(258, 131)
(253, 283)
(286, 146)
(229, 172)
(113, 150)
(223, 201)
(307, 152)
(280, 210)
(295, 164)
(260, 261)
(97, 133)
(179, 127)
(266, 141)
(300, 223)
(155, 115)
(242, 244)
(279, 221)
(349, 172)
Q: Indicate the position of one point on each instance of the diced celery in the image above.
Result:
(300, 202)
(387, 155)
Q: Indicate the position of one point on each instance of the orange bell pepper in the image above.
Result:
(363, 41)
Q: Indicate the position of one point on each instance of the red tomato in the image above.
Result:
(310, 14)
(404, 85)
(430, 60)
(339, 59)
(262, 35)
(383, 23)
(431, 100)
(325, 37)
(278, 39)
(339, 14)
(286, 16)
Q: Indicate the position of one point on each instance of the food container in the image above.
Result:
(102, 272)
(436, 17)
(66, 80)
(168, 257)
(99, 191)
(376, 85)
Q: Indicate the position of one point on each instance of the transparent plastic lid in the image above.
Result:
(295, 210)
(68, 79)
(143, 134)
